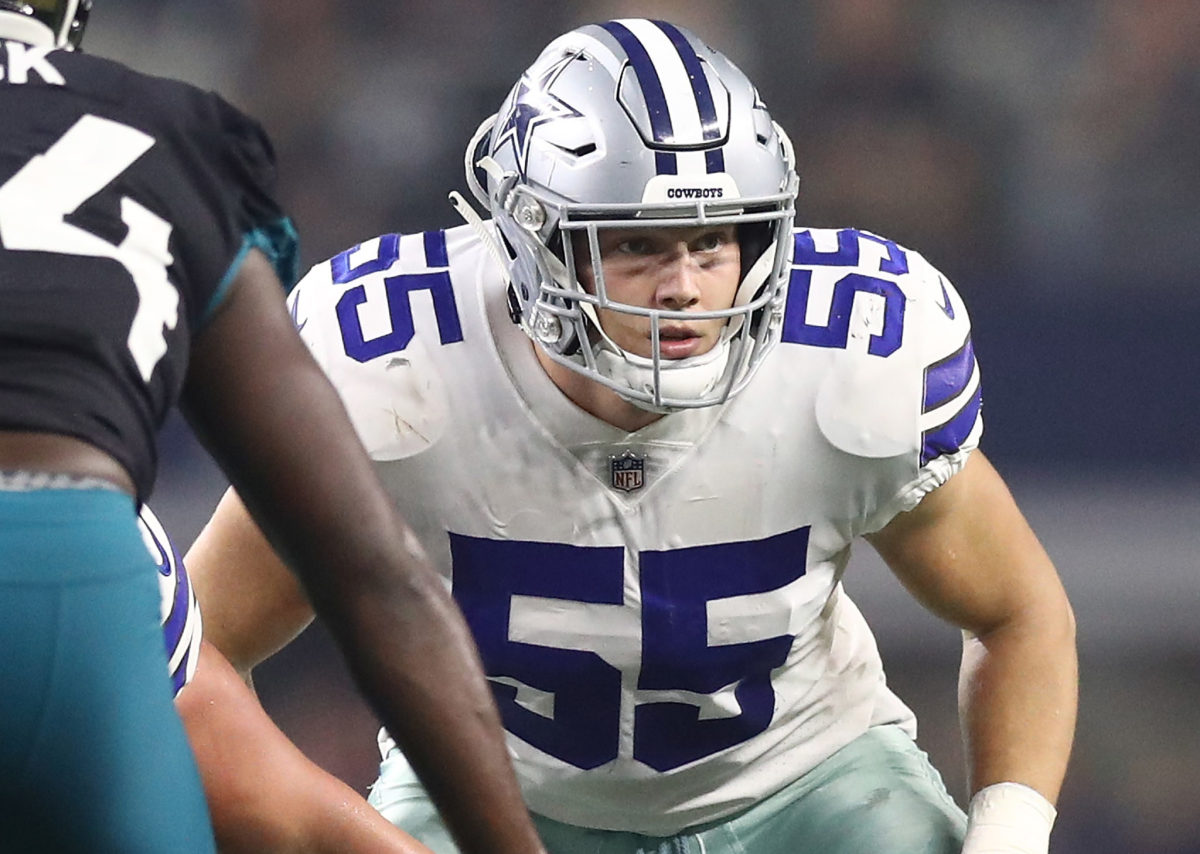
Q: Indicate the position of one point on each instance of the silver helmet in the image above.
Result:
(636, 123)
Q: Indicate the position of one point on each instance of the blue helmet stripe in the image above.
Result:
(647, 76)
(695, 72)
(715, 159)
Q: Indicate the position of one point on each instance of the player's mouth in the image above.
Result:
(678, 342)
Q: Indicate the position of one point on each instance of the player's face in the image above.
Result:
(679, 269)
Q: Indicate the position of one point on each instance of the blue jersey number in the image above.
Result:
(398, 290)
(670, 635)
(836, 332)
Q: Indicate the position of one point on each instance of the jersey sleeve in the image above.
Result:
(250, 158)
(946, 381)
(311, 314)
(242, 168)
(395, 398)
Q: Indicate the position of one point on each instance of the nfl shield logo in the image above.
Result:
(626, 471)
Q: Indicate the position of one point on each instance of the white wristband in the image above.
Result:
(1008, 818)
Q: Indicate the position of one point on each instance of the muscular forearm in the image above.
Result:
(1018, 702)
(1018, 698)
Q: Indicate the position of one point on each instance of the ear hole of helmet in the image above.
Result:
(555, 245)
(508, 247)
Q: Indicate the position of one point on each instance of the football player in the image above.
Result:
(141, 259)
(263, 793)
(638, 418)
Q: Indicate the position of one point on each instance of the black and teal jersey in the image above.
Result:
(127, 203)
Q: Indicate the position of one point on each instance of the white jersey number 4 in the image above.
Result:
(36, 201)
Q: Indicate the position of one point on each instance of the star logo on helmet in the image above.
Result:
(534, 105)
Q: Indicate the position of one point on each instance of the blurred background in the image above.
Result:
(1046, 156)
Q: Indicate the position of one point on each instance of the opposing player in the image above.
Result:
(638, 420)
(263, 793)
(141, 258)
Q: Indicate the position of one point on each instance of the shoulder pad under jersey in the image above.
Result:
(903, 379)
(370, 316)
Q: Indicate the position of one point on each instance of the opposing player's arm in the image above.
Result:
(264, 408)
(969, 555)
(263, 793)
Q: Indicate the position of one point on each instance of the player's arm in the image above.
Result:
(968, 554)
(263, 793)
(253, 604)
(263, 407)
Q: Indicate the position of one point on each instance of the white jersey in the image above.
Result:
(180, 612)
(660, 613)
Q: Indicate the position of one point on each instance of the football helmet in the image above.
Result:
(635, 123)
(65, 18)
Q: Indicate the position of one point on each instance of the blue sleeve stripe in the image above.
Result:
(179, 676)
(946, 379)
(435, 249)
(279, 242)
(948, 436)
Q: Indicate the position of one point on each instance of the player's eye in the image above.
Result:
(635, 246)
(710, 241)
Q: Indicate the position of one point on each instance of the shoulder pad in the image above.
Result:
(879, 402)
(867, 406)
(397, 401)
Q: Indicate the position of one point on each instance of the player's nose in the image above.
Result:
(679, 280)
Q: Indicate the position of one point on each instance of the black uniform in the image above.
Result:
(115, 186)
(126, 206)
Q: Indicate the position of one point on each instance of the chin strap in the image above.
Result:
(471, 161)
(484, 233)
